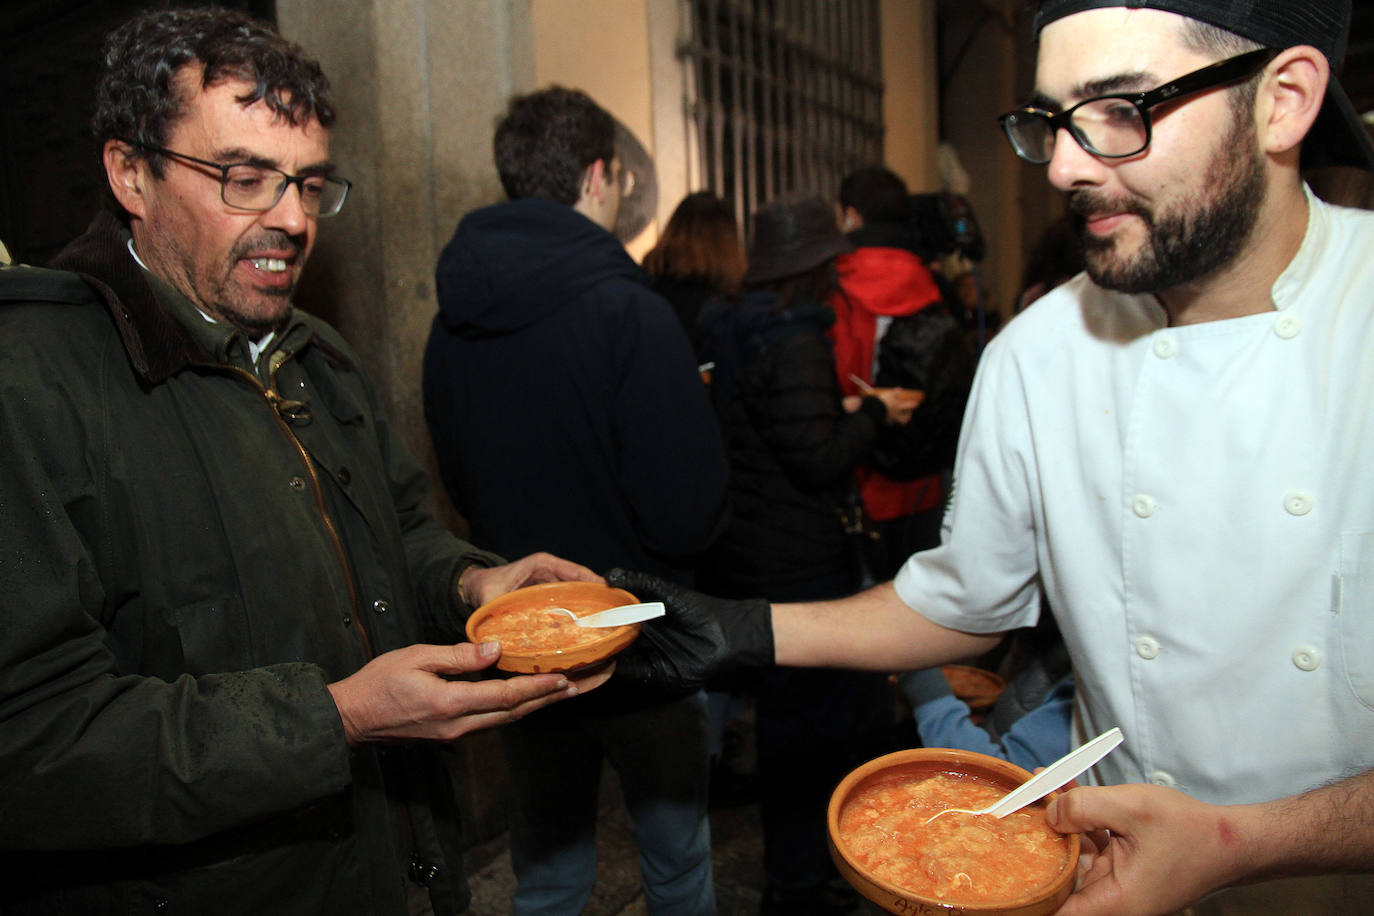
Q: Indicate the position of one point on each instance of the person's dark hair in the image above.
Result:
(701, 242)
(878, 194)
(546, 140)
(1209, 39)
(140, 96)
(815, 285)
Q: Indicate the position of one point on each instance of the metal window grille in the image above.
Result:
(783, 95)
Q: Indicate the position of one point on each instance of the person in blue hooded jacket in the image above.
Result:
(566, 409)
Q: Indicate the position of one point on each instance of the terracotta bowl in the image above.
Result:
(977, 687)
(911, 396)
(543, 652)
(1045, 897)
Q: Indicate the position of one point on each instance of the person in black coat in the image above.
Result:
(794, 442)
(566, 409)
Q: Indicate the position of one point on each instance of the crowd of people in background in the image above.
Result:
(233, 637)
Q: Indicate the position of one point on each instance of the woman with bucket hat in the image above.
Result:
(794, 442)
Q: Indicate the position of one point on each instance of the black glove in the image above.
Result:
(699, 638)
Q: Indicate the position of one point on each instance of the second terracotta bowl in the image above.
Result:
(1044, 898)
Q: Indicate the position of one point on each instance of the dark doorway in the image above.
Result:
(50, 177)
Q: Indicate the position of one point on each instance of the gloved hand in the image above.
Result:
(699, 637)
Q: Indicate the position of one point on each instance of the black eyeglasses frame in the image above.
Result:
(1230, 70)
(287, 180)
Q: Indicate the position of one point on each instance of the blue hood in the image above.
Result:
(511, 264)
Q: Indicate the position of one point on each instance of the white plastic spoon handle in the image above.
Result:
(1056, 774)
(625, 614)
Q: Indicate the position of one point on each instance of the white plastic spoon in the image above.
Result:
(1047, 780)
(617, 616)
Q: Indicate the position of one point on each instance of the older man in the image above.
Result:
(1175, 446)
(214, 564)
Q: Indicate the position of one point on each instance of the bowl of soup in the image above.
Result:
(886, 846)
(905, 396)
(977, 687)
(535, 638)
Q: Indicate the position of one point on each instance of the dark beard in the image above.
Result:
(1200, 237)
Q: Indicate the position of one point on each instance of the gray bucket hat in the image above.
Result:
(1338, 137)
(793, 234)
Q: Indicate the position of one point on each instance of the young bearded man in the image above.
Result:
(1175, 446)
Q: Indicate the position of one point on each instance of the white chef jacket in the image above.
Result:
(1198, 503)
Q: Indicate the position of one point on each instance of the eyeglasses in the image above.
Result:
(1116, 126)
(257, 188)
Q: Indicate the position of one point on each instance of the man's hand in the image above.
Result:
(699, 637)
(479, 584)
(1156, 850)
(403, 695)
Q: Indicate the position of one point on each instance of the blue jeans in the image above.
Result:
(660, 756)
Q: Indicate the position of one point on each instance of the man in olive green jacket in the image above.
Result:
(216, 577)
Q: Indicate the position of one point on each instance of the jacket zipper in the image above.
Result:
(273, 399)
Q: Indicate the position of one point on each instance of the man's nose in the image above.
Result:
(1071, 166)
(288, 213)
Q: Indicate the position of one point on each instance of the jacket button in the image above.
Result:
(347, 619)
(1147, 647)
(381, 606)
(1287, 326)
(1297, 502)
(1144, 506)
(1307, 658)
(297, 483)
(1161, 778)
(1165, 347)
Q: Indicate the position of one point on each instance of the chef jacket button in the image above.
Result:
(297, 483)
(1147, 647)
(1297, 502)
(1161, 778)
(1287, 326)
(381, 606)
(1307, 658)
(1144, 505)
(1165, 347)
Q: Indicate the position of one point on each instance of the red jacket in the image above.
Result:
(877, 281)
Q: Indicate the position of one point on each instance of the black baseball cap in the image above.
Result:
(1338, 136)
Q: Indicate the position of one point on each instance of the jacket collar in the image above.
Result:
(158, 344)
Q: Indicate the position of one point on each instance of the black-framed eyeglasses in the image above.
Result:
(257, 188)
(1118, 125)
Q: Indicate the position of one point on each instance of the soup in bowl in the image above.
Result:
(535, 638)
(886, 846)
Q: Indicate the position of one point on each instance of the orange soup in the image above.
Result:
(534, 628)
(959, 859)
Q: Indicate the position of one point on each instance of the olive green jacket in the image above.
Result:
(187, 558)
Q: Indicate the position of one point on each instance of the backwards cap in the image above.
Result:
(1338, 136)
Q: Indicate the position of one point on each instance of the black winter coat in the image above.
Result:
(929, 352)
(564, 400)
(793, 448)
(187, 559)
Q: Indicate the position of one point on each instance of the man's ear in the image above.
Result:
(127, 175)
(594, 181)
(1290, 97)
(848, 218)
